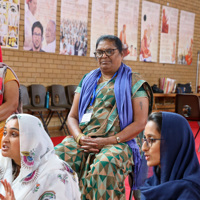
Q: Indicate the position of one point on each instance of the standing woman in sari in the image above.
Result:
(110, 108)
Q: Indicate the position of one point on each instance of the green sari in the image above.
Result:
(102, 175)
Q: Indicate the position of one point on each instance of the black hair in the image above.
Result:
(156, 117)
(13, 117)
(20, 106)
(39, 25)
(145, 17)
(117, 42)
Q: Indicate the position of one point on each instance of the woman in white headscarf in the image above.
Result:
(29, 168)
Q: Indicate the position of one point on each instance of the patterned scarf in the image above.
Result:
(42, 173)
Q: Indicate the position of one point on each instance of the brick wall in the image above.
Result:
(48, 68)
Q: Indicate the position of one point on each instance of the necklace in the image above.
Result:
(105, 79)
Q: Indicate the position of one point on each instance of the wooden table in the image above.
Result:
(165, 102)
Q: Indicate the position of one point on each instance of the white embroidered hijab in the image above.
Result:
(43, 175)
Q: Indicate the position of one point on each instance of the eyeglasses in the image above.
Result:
(108, 52)
(149, 141)
(37, 34)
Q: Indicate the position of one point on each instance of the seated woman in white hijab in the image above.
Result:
(29, 168)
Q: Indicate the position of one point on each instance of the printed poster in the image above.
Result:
(169, 24)
(186, 32)
(128, 27)
(73, 29)
(40, 25)
(103, 21)
(9, 23)
(149, 31)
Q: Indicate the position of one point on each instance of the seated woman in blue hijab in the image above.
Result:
(170, 148)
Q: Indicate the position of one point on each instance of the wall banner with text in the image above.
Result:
(169, 24)
(9, 26)
(128, 27)
(103, 21)
(149, 31)
(186, 32)
(40, 25)
(73, 29)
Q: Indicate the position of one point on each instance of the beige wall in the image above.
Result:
(47, 69)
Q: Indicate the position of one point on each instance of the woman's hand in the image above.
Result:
(92, 144)
(9, 194)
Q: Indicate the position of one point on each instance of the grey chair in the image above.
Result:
(59, 104)
(25, 98)
(38, 94)
(69, 91)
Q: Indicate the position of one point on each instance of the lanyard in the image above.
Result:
(95, 87)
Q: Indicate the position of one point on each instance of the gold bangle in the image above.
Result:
(77, 139)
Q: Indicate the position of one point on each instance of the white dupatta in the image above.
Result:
(43, 175)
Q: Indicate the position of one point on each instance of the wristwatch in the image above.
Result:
(118, 139)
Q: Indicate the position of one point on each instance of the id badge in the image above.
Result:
(87, 116)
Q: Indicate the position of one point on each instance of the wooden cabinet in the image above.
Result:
(164, 102)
